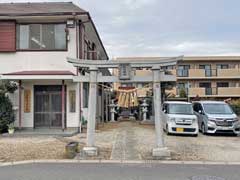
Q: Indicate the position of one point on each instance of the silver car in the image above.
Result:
(178, 118)
(216, 117)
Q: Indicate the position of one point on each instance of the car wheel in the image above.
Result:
(203, 128)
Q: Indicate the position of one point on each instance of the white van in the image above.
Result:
(178, 118)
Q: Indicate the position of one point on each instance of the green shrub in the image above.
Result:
(6, 113)
(182, 93)
(235, 104)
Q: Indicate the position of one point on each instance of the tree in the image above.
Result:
(182, 93)
(6, 108)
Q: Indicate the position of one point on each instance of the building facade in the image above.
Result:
(216, 77)
(35, 41)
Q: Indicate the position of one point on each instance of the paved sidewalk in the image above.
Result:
(125, 143)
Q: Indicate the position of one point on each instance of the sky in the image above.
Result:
(165, 27)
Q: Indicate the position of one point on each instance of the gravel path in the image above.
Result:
(125, 143)
(27, 148)
(124, 140)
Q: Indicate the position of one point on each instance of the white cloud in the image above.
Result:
(164, 27)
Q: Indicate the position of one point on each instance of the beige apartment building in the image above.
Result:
(210, 77)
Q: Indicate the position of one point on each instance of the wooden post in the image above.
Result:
(20, 104)
(63, 105)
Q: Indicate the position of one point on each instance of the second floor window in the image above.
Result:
(41, 37)
(182, 70)
(222, 66)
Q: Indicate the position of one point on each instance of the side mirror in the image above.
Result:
(164, 110)
(200, 111)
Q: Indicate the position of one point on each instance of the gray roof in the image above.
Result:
(8, 9)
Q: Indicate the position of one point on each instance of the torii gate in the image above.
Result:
(125, 75)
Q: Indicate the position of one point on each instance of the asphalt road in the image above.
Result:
(76, 171)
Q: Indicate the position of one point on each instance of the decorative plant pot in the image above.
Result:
(10, 131)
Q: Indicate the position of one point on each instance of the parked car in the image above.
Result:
(216, 117)
(179, 118)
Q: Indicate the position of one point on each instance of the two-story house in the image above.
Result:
(35, 40)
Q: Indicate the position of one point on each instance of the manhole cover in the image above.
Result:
(206, 178)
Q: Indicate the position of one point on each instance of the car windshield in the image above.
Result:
(217, 109)
(180, 109)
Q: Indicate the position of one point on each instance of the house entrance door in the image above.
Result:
(47, 106)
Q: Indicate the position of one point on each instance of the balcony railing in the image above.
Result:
(208, 72)
(220, 91)
(228, 72)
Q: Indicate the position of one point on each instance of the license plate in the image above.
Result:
(180, 129)
(224, 128)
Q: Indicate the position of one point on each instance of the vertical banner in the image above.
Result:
(72, 99)
(27, 101)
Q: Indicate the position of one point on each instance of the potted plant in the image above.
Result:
(11, 128)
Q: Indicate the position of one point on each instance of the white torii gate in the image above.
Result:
(125, 75)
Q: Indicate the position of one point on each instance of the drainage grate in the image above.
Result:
(204, 177)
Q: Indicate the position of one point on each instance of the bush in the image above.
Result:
(235, 104)
(6, 113)
(182, 93)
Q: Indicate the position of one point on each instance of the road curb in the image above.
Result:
(41, 161)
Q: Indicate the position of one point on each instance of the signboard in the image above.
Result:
(27, 101)
(72, 101)
(124, 71)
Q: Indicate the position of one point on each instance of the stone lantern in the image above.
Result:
(113, 111)
(144, 108)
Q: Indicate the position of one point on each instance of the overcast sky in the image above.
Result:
(165, 27)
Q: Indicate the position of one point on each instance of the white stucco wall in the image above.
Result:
(72, 118)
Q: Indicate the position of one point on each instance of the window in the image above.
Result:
(222, 84)
(180, 109)
(222, 66)
(208, 71)
(197, 107)
(85, 94)
(41, 37)
(182, 70)
(215, 108)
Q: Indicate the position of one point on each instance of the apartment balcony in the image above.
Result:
(215, 92)
(228, 72)
(229, 90)
(208, 73)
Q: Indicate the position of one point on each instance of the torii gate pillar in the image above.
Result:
(160, 150)
(158, 76)
(90, 149)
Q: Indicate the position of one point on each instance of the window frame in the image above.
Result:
(41, 50)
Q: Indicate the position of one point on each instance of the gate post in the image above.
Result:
(160, 150)
(90, 149)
